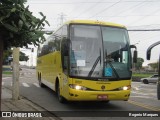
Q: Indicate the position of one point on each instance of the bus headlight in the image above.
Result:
(125, 87)
(77, 87)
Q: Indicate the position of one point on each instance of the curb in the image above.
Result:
(24, 104)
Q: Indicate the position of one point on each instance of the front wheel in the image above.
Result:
(60, 98)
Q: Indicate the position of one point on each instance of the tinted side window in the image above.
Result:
(39, 51)
(44, 50)
(65, 49)
(52, 44)
(54, 41)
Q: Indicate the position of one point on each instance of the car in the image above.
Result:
(151, 79)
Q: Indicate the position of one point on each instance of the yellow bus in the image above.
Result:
(87, 60)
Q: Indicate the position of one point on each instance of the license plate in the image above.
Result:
(102, 97)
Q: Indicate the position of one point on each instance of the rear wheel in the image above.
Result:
(60, 98)
(40, 81)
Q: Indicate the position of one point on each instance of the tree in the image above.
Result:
(154, 65)
(8, 53)
(18, 27)
(139, 63)
(23, 57)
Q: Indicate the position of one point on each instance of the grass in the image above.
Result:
(142, 75)
(7, 72)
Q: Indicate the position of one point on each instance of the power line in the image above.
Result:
(67, 2)
(128, 9)
(105, 9)
(143, 30)
(140, 19)
(42, 2)
(90, 8)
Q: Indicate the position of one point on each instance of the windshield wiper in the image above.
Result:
(95, 64)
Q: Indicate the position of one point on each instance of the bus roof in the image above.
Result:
(94, 22)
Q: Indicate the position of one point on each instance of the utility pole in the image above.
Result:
(15, 83)
(1, 60)
(32, 50)
(62, 17)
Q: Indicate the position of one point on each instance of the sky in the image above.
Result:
(134, 14)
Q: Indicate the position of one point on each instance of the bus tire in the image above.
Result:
(61, 99)
(40, 81)
(158, 91)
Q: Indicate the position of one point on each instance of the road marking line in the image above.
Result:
(2, 83)
(138, 93)
(143, 97)
(144, 105)
(136, 88)
(5, 78)
(153, 94)
(25, 85)
(36, 84)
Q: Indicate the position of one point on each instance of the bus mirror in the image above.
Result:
(133, 46)
(148, 55)
(134, 53)
(135, 56)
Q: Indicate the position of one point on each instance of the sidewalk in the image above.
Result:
(22, 105)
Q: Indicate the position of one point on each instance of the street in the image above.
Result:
(143, 98)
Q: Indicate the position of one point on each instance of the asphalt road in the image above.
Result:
(143, 98)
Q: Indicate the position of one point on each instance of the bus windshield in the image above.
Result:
(99, 52)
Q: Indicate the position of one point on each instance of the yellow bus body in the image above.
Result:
(49, 68)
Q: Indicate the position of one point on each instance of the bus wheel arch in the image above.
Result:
(60, 98)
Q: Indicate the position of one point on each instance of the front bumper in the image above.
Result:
(81, 95)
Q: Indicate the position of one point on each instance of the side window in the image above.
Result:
(57, 39)
(44, 50)
(54, 41)
(39, 51)
(65, 50)
(51, 46)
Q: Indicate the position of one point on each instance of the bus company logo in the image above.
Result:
(103, 87)
(6, 114)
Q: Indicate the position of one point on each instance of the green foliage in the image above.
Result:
(142, 75)
(7, 72)
(6, 54)
(139, 63)
(23, 57)
(154, 65)
(18, 27)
